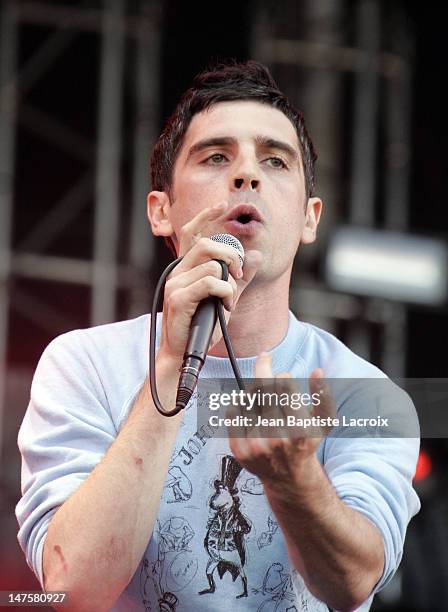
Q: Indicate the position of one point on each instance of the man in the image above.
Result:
(126, 509)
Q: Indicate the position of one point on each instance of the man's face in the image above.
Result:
(246, 154)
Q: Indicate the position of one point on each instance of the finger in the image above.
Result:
(186, 277)
(207, 269)
(197, 227)
(284, 386)
(285, 383)
(317, 374)
(237, 447)
(186, 299)
(252, 261)
(254, 447)
(205, 250)
(326, 406)
(263, 366)
(263, 370)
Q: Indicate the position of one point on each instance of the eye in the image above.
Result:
(215, 159)
(276, 162)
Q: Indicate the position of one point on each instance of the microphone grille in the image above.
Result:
(231, 241)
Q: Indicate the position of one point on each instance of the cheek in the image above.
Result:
(191, 196)
(292, 207)
(197, 192)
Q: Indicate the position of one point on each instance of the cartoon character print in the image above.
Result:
(179, 485)
(174, 537)
(287, 592)
(151, 574)
(226, 529)
(253, 486)
(265, 539)
(278, 585)
(168, 603)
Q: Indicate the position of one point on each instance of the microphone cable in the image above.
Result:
(152, 337)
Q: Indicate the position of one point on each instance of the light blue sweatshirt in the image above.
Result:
(215, 530)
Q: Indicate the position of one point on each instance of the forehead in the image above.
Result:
(242, 120)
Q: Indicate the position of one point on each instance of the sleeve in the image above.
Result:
(372, 473)
(66, 431)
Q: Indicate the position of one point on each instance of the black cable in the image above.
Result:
(225, 334)
(152, 338)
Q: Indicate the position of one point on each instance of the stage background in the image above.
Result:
(84, 90)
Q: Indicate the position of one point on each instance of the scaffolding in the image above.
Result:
(314, 47)
(117, 31)
(312, 44)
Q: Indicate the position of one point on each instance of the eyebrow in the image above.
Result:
(218, 141)
(262, 141)
(272, 143)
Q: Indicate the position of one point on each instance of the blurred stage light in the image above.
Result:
(424, 467)
(388, 265)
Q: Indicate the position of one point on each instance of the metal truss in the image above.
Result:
(313, 46)
(316, 42)
(116, 28)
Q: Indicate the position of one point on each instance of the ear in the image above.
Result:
(158, 210)
(312, 216)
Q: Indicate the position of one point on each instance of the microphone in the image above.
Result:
(201, 330)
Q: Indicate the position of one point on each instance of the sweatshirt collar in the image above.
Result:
(283, 355)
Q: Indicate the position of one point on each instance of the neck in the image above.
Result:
(260, 320)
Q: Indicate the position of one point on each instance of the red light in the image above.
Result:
(424, 467)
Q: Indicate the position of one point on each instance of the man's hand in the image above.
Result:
(278, 460)
(198, 276)
(338, 552)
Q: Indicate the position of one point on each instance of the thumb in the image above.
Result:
(252, 261)
(326, 406)
(263, 366)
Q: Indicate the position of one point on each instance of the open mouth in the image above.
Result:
(244, 214)
(244, 219)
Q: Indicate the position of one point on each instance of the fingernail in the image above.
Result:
(239, 274)
(219, 206)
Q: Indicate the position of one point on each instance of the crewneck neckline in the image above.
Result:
(283, 355)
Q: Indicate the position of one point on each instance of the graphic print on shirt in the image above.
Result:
(178, 485)
(306, 600)
(286, 591)
(253, 486)
(226, 530)
(266, 536)
(175, 567)
(277, 584)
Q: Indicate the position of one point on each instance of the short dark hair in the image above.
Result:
(223, 83)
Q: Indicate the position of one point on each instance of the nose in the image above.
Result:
(245, 176)
(242, 182)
